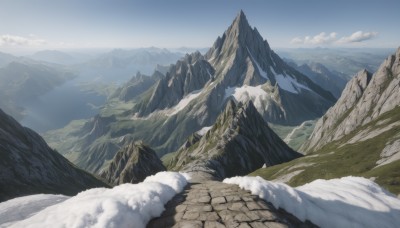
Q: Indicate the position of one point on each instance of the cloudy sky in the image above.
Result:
(47, 24)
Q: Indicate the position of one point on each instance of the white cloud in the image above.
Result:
(357, 37)
(331, 38)
(297, 40)
(11, 40)
(321, 38)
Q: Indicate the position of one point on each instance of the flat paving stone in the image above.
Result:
(213, 224)
(213, 204)
(218, 200)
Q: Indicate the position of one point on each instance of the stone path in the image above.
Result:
(213, 204)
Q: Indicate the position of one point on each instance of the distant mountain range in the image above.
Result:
(346, 61)
(22, 82)
(194, 91)
(333, 82)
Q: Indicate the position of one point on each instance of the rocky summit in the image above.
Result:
(238, 143)
(132, 164)
(29, 166)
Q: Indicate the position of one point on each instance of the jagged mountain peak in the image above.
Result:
(132, 164)
(239, 39)
(239, 142)
(240, 23)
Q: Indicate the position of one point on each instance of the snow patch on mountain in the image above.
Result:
(246, 93)
(262, 73)
(288, 83)
(121, 206)
(345, 202)
(184, 102)
(204, 130)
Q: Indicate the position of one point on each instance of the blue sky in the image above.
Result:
(48, 24)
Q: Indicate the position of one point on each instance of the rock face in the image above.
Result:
(188, 75)
(29, 166)
(365, 98)
(333, 82)
(132, 164)
(238, 143)
(136, 86)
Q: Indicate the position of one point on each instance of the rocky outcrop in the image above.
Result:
(365, 98)
(188, 75)
(29, 166)
(238, 143)
(132, 164)
(136, 86)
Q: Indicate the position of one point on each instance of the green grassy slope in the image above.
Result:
(339, 159)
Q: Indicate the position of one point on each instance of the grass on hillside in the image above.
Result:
(338, 159)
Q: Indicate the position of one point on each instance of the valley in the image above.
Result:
(175, 115)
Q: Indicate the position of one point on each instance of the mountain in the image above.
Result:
(132, 164)
(238, 143)
(60, 57)
(239, 61)
(333, 82)
(358, 136)
(365, 98)
(186, 77)
(23, 81)
(345, 61)
(136, 86)
(29, 166)
(5, 59)
(118, 64)
(194, 91)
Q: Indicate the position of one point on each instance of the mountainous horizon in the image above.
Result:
(194, 92)
(117, 122)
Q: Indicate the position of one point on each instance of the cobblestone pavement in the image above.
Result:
(213, 204)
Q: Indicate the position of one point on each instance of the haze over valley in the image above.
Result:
(199, 114)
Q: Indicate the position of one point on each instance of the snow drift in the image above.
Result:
(126, 205)
(344, 202)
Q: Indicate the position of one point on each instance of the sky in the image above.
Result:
(69, 24)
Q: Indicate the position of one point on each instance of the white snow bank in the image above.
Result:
(246, 93)
(344, 202)
(126, 205)
(24, 207)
